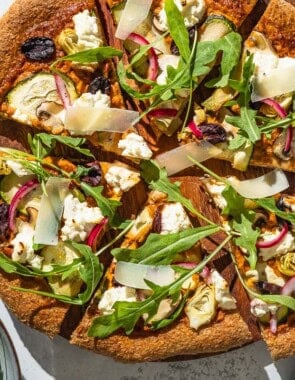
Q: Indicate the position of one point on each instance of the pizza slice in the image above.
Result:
(162, 296)
(261, 212)
(251, 120)
(57, 73)
(55, 213)
(185, 39)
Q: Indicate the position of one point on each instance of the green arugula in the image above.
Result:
(157, 179)
(98, 54)
(246, 122)
(127, 314)
(108, 206)
(42, 144)
(161, 249)
(90, 270)
(235, 203)
(207, 51)
(269, 204)
(178, 31)
(248, 238)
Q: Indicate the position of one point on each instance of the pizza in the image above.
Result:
(137, 219)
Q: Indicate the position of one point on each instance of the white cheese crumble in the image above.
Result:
(191, 10)
(164, 61)
(79, 219)
(260, 308)
(110, 296)
(174, 219)
(23, 250)
(121, 179)
(287, 244)
(272, 278)
(222, 294)
(86, 28)
(215, 189)
(134, 145)
(97, 100)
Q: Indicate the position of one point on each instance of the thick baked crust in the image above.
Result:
(16, 26)
(42, 313)
(282, 344)
(179, 339)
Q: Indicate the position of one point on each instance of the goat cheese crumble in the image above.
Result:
(121, 179)
(110, 296)
(174, 219)
(79, 219)
(86, 28)
(287, 244)
(134, 145)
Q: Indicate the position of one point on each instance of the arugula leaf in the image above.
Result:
(177, 29)
(90, 271)
(246, 122)
(161, 249)
(42, 144)
(98, 54)
(127, 314)
(230, 46)
(108, 206)
(9, 266)
(235, 203)
(248, 238)
(269, 204)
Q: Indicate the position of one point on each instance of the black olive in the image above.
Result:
(93, 176)
(213, 133)
(38, 48)
(4, 211)
(268, 288)
(191, 33)
(100, 83)
(157, 222)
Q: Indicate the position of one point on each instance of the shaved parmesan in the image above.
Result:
(276, 81)
(177, 159)
(87, 120)
(134, 13)
(265, 186)
(50, 212)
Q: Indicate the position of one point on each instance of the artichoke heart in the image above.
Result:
(201, 308)
(68, 40)
(286, 264)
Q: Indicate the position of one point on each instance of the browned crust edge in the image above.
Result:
(278, 25)
(282, 344)
(179, 339)
(42, 313)
(16, 26)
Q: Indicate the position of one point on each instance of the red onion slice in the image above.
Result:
(95, 234)
(153, 58)
(206, 273)
(19, 195)
(273, 324)
(276, 106)
(276, 240)
(289, 287)
(288, 141)
(163, 113)
(62, 91)
(196, 131)
(186, 265)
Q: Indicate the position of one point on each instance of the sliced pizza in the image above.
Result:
(251, 120)
(162, 295)
(54, 214)
(260, 211)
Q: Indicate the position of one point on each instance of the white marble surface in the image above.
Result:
(45, 359)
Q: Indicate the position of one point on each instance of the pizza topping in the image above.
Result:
(79, 219)
(38, 48)
(178, 159)
(87, 31)
(4, 212)
(286, 263)
(222, 294)
(191, 10)
(260, 308)
(100, 83)
(201, 308)
(289, 287)
(93, 176)
(134, 275)
(133, 14)
(121, 179)
(282, 246)
(165, 61)
(96, 233)
(173, 218)
(110, 296)
(134, 146)
(213, 133)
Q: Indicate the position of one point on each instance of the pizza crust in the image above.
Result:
(179, 339)
(282, 344)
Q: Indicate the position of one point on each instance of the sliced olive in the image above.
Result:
(38, 48)
(100, 83)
